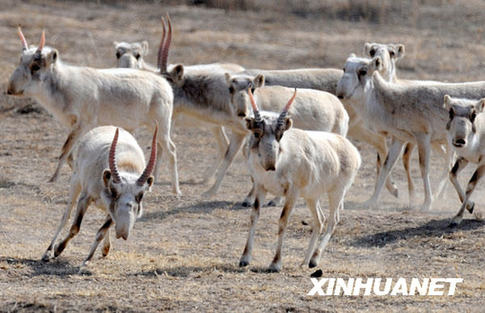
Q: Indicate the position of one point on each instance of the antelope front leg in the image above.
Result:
(82, 206)
(318, 221)
(389, 163)
(424, 151)
(358, 131)
(336, 204)
(460, 164)
(406, 161)
(66, 151)
(74, 193)
(248, 249)
(106, 244)
(469, 190)
(448, 155)
(235, 145)
(99, 237)
(275, 266)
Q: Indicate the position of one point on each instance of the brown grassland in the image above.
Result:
(183, 254)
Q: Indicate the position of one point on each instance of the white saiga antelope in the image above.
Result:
(407, 113)
(312, 110)
(295, 163)
(111, 173)
(326, 79)
(130, 55)
(82, 98)
(466, 134)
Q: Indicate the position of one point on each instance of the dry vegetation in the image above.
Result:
(183, 254)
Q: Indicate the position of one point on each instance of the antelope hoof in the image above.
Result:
(313, 263)
(208, 194)
(53, 179)
(244, 261)
(246, 203)
(47, 256)
(393, 190)
(371, 203)
(105, 251)
(470, 206)
(455, 221)
(274, 268)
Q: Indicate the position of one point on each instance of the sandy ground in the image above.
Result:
(183, 254)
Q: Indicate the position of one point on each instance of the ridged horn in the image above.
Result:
(25, 46)
(151, 163)
(112, 159)
(257, 116)
(160, 48)
(41, 43)
(284, 113)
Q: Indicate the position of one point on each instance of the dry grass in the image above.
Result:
(183, 254)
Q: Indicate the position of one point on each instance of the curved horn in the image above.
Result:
(160, 48)
(151, 163)
(257, 116)
(166, 46)
(112, 159)
(42, 43)
(281, 118)
(25, 46)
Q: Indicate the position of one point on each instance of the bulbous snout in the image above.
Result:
(127, 61)
(270, 167)
(122, 232)
(12, 91)
(458, 142)
(340, 92)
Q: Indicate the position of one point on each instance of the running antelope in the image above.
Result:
(466, 134)
(295, 163)
(312, 110)
(111, 173)
(407, 113)
(82, 98)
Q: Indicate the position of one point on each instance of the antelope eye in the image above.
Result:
(392, 53)
(362, 72)
(343, 69)
(231, 89)
(372, 52)
(118, 54)
(139, 197)
(137, 56)
(34, 68)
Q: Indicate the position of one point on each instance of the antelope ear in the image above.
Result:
(367, 47)
(447, 102)
(144, 47)
(258, 81)
(227, 76)
(177, 73)
(52, 56)
(480, 105)
(352, 55)
(150, 181)
(288, 124)
(250, 124)
(106, 177)
(399, 51)
(116, 43)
